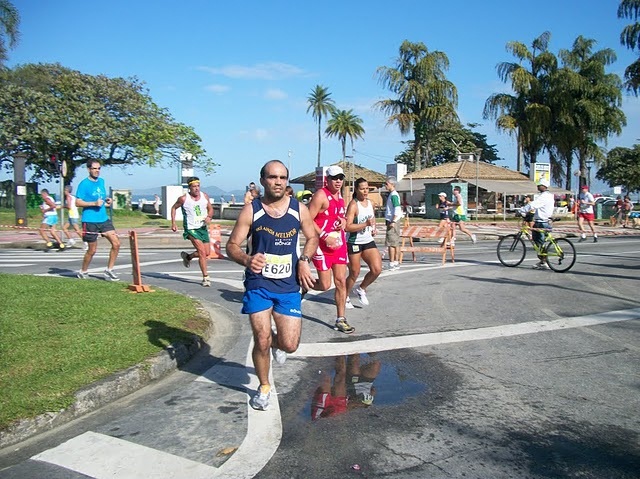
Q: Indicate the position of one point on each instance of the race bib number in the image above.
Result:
(278, 266)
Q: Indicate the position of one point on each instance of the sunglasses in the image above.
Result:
(337, 177)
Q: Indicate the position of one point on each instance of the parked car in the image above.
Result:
(416, 210)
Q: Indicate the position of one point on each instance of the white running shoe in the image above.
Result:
(206, 282)
(85, 246)
(474, 239)
(109, 275)
(71, 242)
(82, 275)
(541, 265)
(362, 296)
(279, 356)
(260, 400)
(349, 304)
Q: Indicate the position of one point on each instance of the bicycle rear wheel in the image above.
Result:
(561, 255)
(511, 250)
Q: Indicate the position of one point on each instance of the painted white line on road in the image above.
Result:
(103, 457)
(448, 337)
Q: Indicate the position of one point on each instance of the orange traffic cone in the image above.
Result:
(215, 238)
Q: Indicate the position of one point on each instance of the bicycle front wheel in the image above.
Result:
(511, 250)
(561, 255)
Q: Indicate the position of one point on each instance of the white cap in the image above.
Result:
(442, 194)
(543, 182)
(334, 170)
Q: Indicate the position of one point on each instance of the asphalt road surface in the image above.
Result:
(470, 370)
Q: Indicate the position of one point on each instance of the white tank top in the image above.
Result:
(194, 212)
(364, 236)
(73, 209)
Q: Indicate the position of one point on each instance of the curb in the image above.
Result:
(111, 388)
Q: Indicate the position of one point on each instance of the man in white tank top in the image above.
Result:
(196, 213)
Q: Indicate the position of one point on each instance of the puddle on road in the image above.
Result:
(359, 381)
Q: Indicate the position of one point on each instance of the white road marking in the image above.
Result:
(448, 337)
(103, 457)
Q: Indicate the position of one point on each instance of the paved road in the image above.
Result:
(479, 371)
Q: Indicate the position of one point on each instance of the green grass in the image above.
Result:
(58, 335)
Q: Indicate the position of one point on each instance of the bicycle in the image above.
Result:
(558, 253)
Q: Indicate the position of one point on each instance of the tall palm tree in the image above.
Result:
(525, 113)
(344, 124)
(425, 100)
(630, 38)
(9, 21)
(591, 99)
(320, 104)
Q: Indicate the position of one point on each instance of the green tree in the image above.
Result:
(320, 105)
(9, 34)
(425, 100)
(451, 140)
(526, 112)
(344, 124)
(630, 38)
(49, 109)
(622, 167)
(586, 101)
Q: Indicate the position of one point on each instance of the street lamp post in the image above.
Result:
(477, 158)
(589, 165)
(20, 188)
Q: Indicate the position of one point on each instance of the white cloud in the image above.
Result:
(275, 94)
(262, 71)
(261, 134)
(217, 88)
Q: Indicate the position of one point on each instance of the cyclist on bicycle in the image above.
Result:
(543, 205)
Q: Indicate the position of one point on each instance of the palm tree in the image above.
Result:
(345, 124)
(320, 104)
(9, 21)
(630, 38)
(589, 111)
(525, 113)
(425, 99)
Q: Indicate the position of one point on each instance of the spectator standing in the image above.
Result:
(618, 217)
(275, 271)
(361, 231)
(49, 221)
(92, 197)
(196, 216)
(392, 216)
(586, 203)
(627, 208)
(156, 204)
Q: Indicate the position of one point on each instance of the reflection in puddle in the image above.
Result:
(359, 381)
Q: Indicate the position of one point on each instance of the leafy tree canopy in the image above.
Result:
(450, 140)
(622, 167)
(48, 109)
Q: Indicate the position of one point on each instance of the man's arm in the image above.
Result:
(307, 226)
(178, 204)
(209, 210)
(234, 246)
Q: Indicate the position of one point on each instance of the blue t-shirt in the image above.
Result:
(89, 190)
(278, 239)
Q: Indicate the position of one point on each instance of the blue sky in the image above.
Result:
(240, 72)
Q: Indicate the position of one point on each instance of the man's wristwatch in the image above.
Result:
(304, 257)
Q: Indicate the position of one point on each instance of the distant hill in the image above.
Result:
(213, 192)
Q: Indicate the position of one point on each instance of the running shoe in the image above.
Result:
(362, 296)
(541, 265)
(61, 246)
(85, 246)
(186, 261)
(582, 238)
(343, 326)
(395, 266)
(595, 238)
(71, 242)
(82, 275)
(206, 282)
(260, 400)
(474, 239)
(109, 275)
(349, 304)
(279, 356)
(49, 244)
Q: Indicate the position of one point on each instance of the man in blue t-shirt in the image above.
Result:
(93, 198)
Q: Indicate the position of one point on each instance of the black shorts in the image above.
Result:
(90, 231)
(359, 248)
